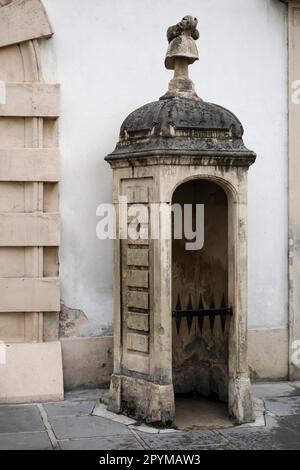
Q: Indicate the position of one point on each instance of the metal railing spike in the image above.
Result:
(189, 317)
(178, 323)
(178, 305)
(177, 317)
(223, 314)
(200, 317)
(212, 314)
(200, 313)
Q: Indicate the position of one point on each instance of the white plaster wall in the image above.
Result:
(109, 56)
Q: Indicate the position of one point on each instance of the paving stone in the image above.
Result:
(296, 387)
(283, 406)
(272, 390)
(144, 428)
(21, 426)
(72, 427)
(101, 410)
(194, 440)
(69, 408)
(274, 436)
(291, 422)
(25, 441)
(117, 442)
(80, 395)
(20, 419)
(167, 431)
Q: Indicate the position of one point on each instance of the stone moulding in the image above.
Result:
(30, 99)
(177, 158)
(29, 229)
(23, 20)
(41, 294)
(29, 219)
(29, 165)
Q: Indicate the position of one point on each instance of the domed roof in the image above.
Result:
(180, 126)
(181, 113)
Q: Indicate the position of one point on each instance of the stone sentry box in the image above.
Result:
(184, 150)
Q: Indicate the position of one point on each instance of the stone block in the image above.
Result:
(137, 299)
(137, 342)
(32, 373)
(138, 257)
(138, 321)
(137, 278)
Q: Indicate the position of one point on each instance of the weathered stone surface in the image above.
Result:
(137, 278)
(182, 52)
(138, 257)
(240, 399)
(181, 38)
(141, 399)
(138, 321)
(159, 364)
(137, 342)
(137, 299)
(71, 321)
(163, 145)
(136, 362)
(181, 126)
(115, 394)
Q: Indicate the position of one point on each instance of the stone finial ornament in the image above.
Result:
(182, 52)
(182, 37)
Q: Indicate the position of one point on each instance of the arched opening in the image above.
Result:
(200, 306)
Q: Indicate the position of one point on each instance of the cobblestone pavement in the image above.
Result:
(72, 425)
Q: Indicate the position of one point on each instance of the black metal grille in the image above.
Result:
(211, 312)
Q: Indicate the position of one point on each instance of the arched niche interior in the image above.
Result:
(200, 341)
